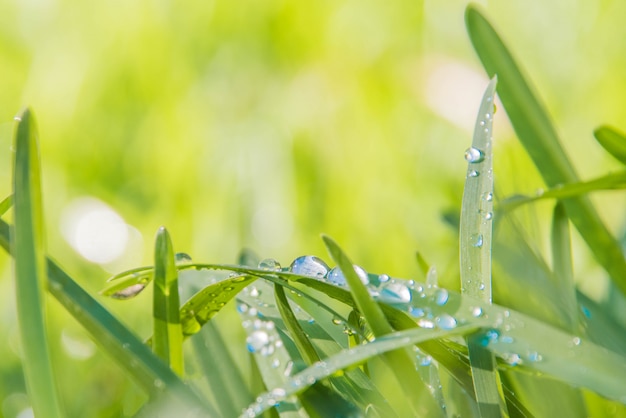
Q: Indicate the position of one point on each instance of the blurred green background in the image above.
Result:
(263, 124)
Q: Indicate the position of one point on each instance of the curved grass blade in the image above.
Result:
(167, 340)
(128, 284)
(535, 131)
(475, 251)
(6, 204)
(346, 359)
(30, 270)
(612, 141)
(613, 181)
(399, 361)
(118, 341)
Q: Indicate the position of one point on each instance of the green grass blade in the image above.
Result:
(475, 250)
(6, 204)
(563, 266)
(303, 344)
(535, 131)
(30, 270)
(399, 361)
(612, 181)
(167, 340)
(612, 141)
(115, 339)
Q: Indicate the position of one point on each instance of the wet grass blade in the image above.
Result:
(167, 340)
(399, 361)
(612, 141)
(30, 270)
(535, 131)
(475, 251)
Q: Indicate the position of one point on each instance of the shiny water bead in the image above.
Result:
(477, 311)
(445, 321)
(384, 278)
(182, 258)
(269, 264)
(337, 277)
(441, 297)
(476, 240)
(257, 341)
(488, 197)
(129, 292)
(473, 173)
(309, 265)
(394, 292)
(474, 155)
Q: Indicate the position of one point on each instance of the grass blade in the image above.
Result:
(562, 265)
(612, 141)
(475, 251)
(535, 131)
(6, 204)
(399, 361)
(30, 270)
(167, 340)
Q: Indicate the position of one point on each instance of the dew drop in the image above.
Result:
(158, 383)
(477, 311)
(254, 292)
(269, 264)
(309, 265)
(416, 312)
(383, 278)
(487, 197)
(512, 358)
(425, 360)
(441, 297)
(129, 292)
(576, 341)
(473, 173)
(474, 155)
(488, 216)
(393, 292)
(445, 321)
(275, 363)
(534, 356)
(17, 118)
(257, 341)
(182, 259)
(476, 240)
(337, 277)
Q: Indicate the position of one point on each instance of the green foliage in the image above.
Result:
(259, 339)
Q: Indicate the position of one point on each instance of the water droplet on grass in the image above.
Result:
(476, 240)
(309, 265)
(129, 292)
(445, 321)
(337, 277)
(441, 297)
(393, 292)
(182, 258)
(488, 197)
(257, 340)
(474, 155)
(383, 278)
(473, 173)
(270, 264)
(477, 311)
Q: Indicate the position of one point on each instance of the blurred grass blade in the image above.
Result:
(612, 181)
(612, 141)
(399, 361)
(30, 270)
(475, 250)
(118, 341)
(167, 340)
(562, 265)
(6, 204)
(535, 131)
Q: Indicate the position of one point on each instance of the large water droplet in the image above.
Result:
(476, 240)
(477, 311)
(309, 265)
(257, 341)
(474, 155)
(394, 292)
(445, 321)
(182, 259)
(129, 292)
(269, 264)
(441, 297)
(337, 277)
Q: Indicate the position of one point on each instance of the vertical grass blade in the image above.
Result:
(167, 341)
(562, 265)
(612, 141)
(399, 361)
(475, 251)
(30, 270)
(535, 131)
(6, 204)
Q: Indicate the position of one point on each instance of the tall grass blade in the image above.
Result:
(30, 270)
(167, 340)
(563, 266)
(399, 361)
(475, 251)
(612, 141)
(535, 131)
(6, 204)
(150, 373)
